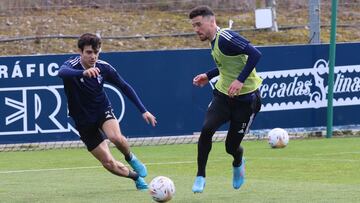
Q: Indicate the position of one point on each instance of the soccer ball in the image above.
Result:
(162, 189)
(278, 138)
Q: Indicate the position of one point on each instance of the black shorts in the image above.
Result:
(239, 110)
(91, 134)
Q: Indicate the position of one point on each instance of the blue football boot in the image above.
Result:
(141, 184)
(139, 167)
(199, 184)
(239, 175)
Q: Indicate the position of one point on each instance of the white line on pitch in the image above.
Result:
(48, 169)
(324, 154)
(89, 167)
(176, 162)
(294, 158)
(305, 159)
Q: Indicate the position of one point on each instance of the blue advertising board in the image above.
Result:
(33, 103)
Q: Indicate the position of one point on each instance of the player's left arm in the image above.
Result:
(233, 44)
(254, 56)
(115, 79)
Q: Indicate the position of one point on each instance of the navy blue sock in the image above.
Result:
(128, 157)
(133, 175)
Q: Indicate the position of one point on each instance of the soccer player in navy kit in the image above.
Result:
(91, 110)
(236, 97)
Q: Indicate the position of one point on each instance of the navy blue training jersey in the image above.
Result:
(87, 100)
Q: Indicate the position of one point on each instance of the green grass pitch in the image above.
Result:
(309, 170)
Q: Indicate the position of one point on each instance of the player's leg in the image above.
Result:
(236, 133)
(212, 122)
(242, 117)
(232, 144)
(96, 144)
(243, 114)
(217, 114)
(111, 129)
(103, 154)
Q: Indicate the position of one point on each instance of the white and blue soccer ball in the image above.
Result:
(278, 138)
(162, 189)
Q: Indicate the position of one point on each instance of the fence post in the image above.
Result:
(314, 22)
(272, 5)
(332, 56)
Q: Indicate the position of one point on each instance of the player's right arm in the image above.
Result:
(67, 71)
(202, 79)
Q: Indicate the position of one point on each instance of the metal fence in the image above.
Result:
(169, 5)
(14, 7)
(34, 20)
(288, 11)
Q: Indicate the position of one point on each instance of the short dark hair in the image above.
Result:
(201, 11)
(89, 39)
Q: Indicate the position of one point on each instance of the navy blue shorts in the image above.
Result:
(91, 134)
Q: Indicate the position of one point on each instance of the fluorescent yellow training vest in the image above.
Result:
(230, 67)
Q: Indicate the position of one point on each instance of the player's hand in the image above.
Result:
(91, 72)
(234, 88)
(149, 118)
(200, 80)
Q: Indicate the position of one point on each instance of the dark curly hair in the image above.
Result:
(89, 39)
(201, 11)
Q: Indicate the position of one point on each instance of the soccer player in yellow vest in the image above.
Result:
(236, 97)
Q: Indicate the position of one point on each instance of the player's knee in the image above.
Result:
(205, 139)
(230, 149)
(207, 129)
(109, 163)
(116, 138)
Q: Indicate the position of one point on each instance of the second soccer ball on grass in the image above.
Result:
(278, 138)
